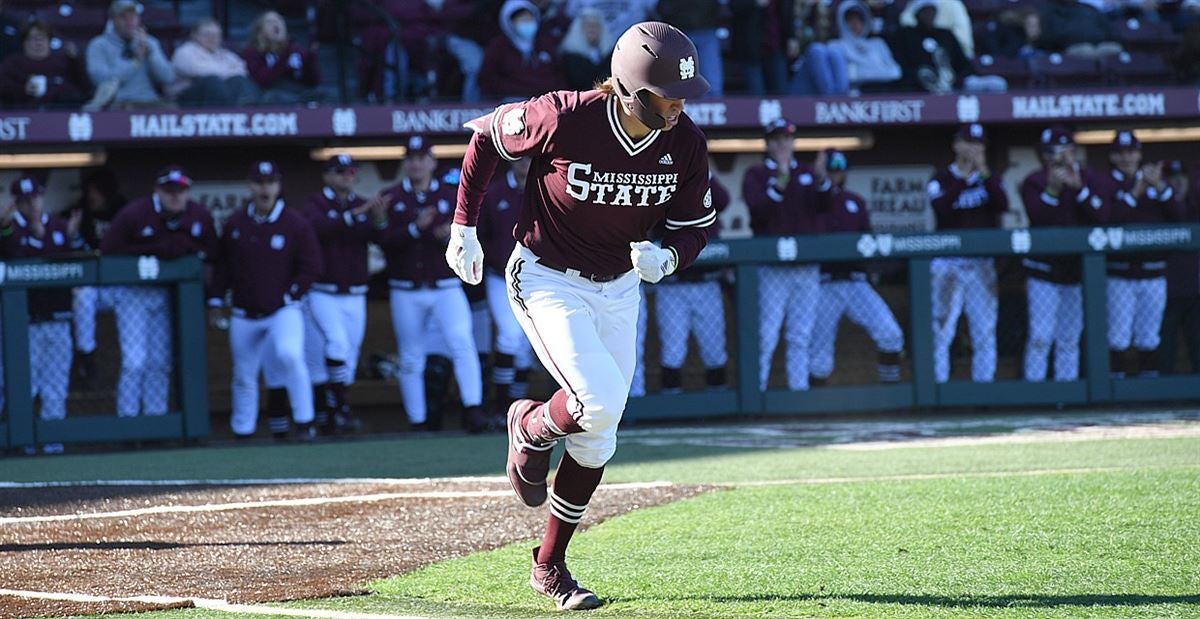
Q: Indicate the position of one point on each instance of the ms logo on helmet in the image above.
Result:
(687, 68)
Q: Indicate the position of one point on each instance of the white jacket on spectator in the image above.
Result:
(136, 81)
(192, 60)
(868, 59)
(951, 15)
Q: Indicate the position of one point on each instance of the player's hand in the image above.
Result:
(74, 222)
(218, 318)
(464, 254)
(425, 217)
(1152, 172)
(7, 212)
(821, 166)
(651, 262)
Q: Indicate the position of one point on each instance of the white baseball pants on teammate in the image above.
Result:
(144, 330)
(861, 303)
(787, 293)
(585, 334)
(637, 385)
(338, 323)
(691, 308)
(510, 338)
(448, 307)
(271, 341)
(1055, 317)
(1135, 311)
(50, 354)
(970, 284)
(87, 300)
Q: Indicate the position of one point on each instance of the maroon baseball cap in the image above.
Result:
(779, 126)
(1056, 137)
(264, 172)
(25, 186)
(341, 161)
(1174, 167)
(1126, 140)
(173, 175)
(972, 132)
(417, 145)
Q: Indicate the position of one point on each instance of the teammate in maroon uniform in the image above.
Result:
(608, 165)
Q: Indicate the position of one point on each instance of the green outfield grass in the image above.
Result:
(1107, 528)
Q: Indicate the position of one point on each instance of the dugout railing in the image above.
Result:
(1092, 246)
(188, 416)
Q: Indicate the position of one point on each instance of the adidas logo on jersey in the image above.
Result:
(667, 160)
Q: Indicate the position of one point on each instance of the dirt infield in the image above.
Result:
(312, 540)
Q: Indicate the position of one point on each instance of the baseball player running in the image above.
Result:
(337, 305)
(966, 195)
(27, 231)
(845, 289)
(424, 287)
(608, 165)
(1137, 283)
(785, 198)
(1062, 193)
(497, 218)
(165, 225)
(268, 257)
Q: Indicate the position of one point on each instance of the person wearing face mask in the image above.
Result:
(214, 75)
(40, 76)
(516, 63)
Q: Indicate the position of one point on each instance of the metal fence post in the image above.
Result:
(920, 307)
(745, 306)
(192, 358)
(1095, 327)
(18, 400)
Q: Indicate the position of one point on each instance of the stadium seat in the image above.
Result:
(1014, 70)
(1057, 70)
(1137, 68)
(1138, 34)
(75, 21)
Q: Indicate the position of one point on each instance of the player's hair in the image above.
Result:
(605, 86)
(36, 24)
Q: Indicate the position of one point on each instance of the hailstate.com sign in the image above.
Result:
(213, 125)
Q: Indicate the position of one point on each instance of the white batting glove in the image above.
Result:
(652, 262)
(464, 254)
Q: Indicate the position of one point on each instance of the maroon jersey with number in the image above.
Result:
(966, 201)
(592, 188)
(1153, 207)
(414, 255)
(44, 304)
(143, 229)
(498, 219)
(343, 237)
(1070, 207)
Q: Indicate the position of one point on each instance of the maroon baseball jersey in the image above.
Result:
(343, 237)
(498, 219)
(1070, 207)
(45, 304)
(294, 63)
(795, 208)
(592, 188)
(847, 213)
(966, 201)
(268, 262)
(1153, 207)
(417, 257)
(143, 229)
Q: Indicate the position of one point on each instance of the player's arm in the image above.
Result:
(308, 263)
(997, 197)
(763, 195)
(943, 191)
(690, 215)
(218, 283)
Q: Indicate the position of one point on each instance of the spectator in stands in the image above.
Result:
(951, 15)
(39, 76)
(585, 55)
(618, 15)
(1182, 316)
(817, 69)
(761, 29)
(1137, 282)
(966, 194)
(868, 59)
(700, 19)
(1186, 15)
(285, 71)
(1076, 29)
(431, 28)
(554, 21)
(517, 64)
(1187, 59)
(212, 74)
(932, 58)
(1015, 34)
(97, 206)
(786, 198)
(10, 33)
(127, 65)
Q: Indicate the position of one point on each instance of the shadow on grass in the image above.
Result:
(150, 545)
(965, 601)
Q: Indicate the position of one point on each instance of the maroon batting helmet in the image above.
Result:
(653, 57)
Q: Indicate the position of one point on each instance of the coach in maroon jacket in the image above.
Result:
(162, 226)
(786, 198)
(268, 258)
(424, 288)
(337, 306)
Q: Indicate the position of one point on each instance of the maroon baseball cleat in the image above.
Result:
(528, 465)
(555, 582)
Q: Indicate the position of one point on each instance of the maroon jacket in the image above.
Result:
(1183, 267)
(1086, 206)
(796, 209)
(141, 229)
(961, 202)
(295, 63)
(267, 262)
(417, 258)
(343, 238)
(498, 220)
(847, 213)
(506, 73)
(66, 79)
(45, 304)
(1153, 207)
